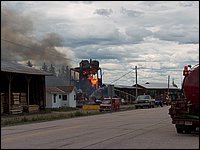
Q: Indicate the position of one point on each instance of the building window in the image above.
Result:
(74, 97)
(64, 97)
(54, 98)
(59, 96)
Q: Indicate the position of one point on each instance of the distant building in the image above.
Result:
(158, 89)
(128, 93)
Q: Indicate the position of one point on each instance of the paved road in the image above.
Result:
(133, 129)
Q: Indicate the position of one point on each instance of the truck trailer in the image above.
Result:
(184, 110)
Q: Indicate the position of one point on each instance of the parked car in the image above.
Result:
(144, 101)
(91, 102)
(98, 102)
(124, 102)
(167, 100)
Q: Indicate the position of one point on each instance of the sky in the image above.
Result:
(159, 37)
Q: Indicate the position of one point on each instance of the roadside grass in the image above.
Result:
(48, 114)
(17, 120)
(62, 109)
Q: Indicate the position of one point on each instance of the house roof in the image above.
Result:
(66, 89)
(157, 86)
(60, 89)
(54, 90)
(13, 67)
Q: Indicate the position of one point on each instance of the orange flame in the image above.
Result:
(94, 81)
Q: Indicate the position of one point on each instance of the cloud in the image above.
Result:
(179, 33)
(189, 3)
(84, 2)
(130, 13)
(103, 12)
(137, 34)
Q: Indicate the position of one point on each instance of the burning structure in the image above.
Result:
(90, 76)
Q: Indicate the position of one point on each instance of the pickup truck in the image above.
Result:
(144, 101)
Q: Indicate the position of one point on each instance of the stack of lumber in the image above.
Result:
(1, 105)
(4, 102)
(23, 100)
(16, 108)
(15, 98)
(33, 108)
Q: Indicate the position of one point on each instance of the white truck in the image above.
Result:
(144, 101)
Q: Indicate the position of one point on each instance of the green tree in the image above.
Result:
(62, 71)
(29, 63)
(44, 67)
(52, 70)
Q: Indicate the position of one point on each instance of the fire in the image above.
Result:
(94, 81)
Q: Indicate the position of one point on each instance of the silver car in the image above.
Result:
(144, 101)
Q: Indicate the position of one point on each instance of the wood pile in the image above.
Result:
(15, 99)
(4, 102)
(1, 105)
(16, 109)
(18, 103)
(15, 104)
(33, 108)
(23, 100)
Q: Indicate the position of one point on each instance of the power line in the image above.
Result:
(143, 68)
(125, 93)
(16, 43)
(122, 76)
(148, 69)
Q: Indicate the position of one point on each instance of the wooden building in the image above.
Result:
(22, 88)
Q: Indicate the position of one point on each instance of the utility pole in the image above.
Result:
(168, 85)
(136, 81)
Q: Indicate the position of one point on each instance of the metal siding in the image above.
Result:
(19, 68)
(48, 100)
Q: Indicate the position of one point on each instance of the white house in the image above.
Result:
(59, 96)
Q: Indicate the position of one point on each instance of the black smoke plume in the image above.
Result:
(19, 44)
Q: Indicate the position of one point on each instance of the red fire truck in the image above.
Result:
(110, 104)
(185, 111)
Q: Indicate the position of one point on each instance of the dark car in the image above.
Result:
(158, 102)
(98, 102)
